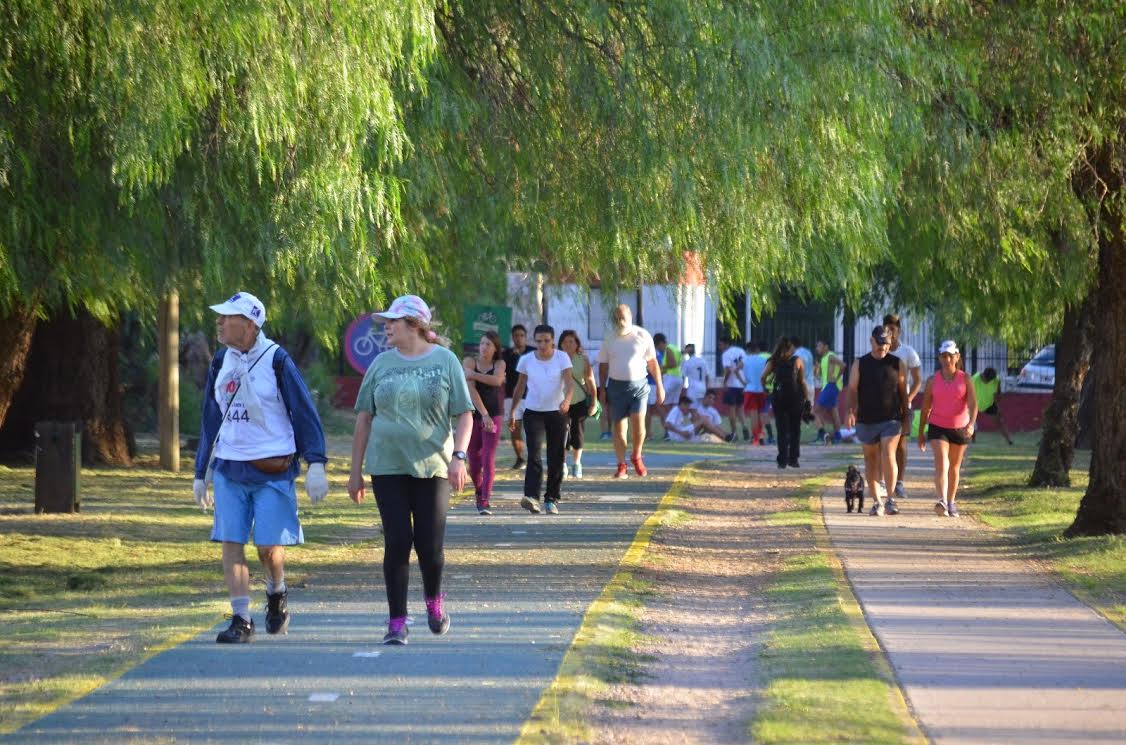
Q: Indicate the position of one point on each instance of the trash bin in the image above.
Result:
(58, 455)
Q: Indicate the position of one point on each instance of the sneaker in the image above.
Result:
(484, 510)
(277, 617)
(604, 436)
(881, 490)
(729, 438)
(240, 631)
(565, 473)
(577, 470)
(770, 441)
(639, 465)
(746, 435)
(952, 510)
(836, 437)
(794, 464)
(877, 510)
(900, 492)
(781, 464)
(550, 508)
(436, 617)
(519, 465)
(397, 631)
(940, 509)
(531, 504)
(820, 435)
(621, 472)
(891, 507)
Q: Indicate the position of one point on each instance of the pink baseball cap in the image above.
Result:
(406, 306)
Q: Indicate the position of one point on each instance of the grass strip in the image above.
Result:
(825, 677)
(996, 492)
(601, 652)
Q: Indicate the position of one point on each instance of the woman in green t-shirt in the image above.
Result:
(409, 396)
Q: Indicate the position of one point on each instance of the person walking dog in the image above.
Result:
(258, 422)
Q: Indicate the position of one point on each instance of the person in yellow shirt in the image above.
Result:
(987, 385)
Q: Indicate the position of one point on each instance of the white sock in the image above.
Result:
(240, 606)
(277, 586)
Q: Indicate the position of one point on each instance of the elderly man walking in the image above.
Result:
(258, 421)
(623, 360)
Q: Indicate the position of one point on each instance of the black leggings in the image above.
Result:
(788, 418)
(401, 498)
(576, 416)
(541, 427)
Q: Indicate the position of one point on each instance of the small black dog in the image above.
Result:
(854, 489)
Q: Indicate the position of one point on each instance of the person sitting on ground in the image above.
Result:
(708, 419)
(679, 423)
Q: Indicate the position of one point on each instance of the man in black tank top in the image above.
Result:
(876, 404)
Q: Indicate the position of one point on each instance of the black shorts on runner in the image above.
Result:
(953, 436)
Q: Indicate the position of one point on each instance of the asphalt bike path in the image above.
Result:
(517, 587)
(986, 648)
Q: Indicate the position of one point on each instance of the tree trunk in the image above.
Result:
(16, 332)
(1103, 509)
(72, 376)
(168, 395)
(1061, 419)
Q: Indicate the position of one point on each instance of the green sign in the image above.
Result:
(482, 318)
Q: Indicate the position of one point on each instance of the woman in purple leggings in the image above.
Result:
(485, 375)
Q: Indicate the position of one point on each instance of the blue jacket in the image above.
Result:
(307, 431)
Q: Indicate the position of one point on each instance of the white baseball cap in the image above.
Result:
(243, 304)
(406, 306)
(948, 347)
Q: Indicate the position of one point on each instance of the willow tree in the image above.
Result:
(1016, 212)
(155, 150)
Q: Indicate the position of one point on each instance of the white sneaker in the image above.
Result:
(940, 509)
(881, 490)
(577, 470)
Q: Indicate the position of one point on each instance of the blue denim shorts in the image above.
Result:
(625, 397)
(269, 509)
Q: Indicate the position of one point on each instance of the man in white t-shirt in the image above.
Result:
(708, 419)
(914, 382)
(695, 371)
(734, 380)
(679, 423)
(545, 387)
(626, 355)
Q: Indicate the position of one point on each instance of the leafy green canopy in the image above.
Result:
(326, 154)
(997, 226)
(203, 146)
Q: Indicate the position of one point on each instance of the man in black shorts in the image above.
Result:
(734, 381)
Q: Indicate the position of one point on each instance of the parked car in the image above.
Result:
(1040, 372)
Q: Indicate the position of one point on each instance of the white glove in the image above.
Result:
(316, 483)
(202, 497)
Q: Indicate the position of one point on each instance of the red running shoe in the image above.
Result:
(639, 465)
(621, 472)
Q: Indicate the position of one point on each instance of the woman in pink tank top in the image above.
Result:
(947, 423)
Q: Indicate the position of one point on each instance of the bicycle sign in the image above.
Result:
(363, 341)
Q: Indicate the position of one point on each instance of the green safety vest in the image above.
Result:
(825, 369)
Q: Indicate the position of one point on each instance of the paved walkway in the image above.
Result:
(987, 649)
(330, 680)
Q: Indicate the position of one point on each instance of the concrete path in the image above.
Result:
(987, 649)
(515, 608)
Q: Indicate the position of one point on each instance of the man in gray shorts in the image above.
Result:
(876, 402)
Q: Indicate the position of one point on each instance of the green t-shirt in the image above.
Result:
(412, 402)
(578, 374)
(986, 392)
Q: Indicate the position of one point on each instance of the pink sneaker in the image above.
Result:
(436, 616)
(621, 472)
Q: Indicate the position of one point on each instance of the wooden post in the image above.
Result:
(168, 390)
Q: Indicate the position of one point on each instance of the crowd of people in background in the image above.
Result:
(426, 426)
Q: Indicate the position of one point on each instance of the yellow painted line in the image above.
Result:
(545, 723)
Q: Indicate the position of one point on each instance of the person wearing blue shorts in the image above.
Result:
(258, 422)
(876, 401)
(830, 369)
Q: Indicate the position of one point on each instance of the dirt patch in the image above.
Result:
(702, 626)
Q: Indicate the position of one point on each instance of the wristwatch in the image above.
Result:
(459, 454)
